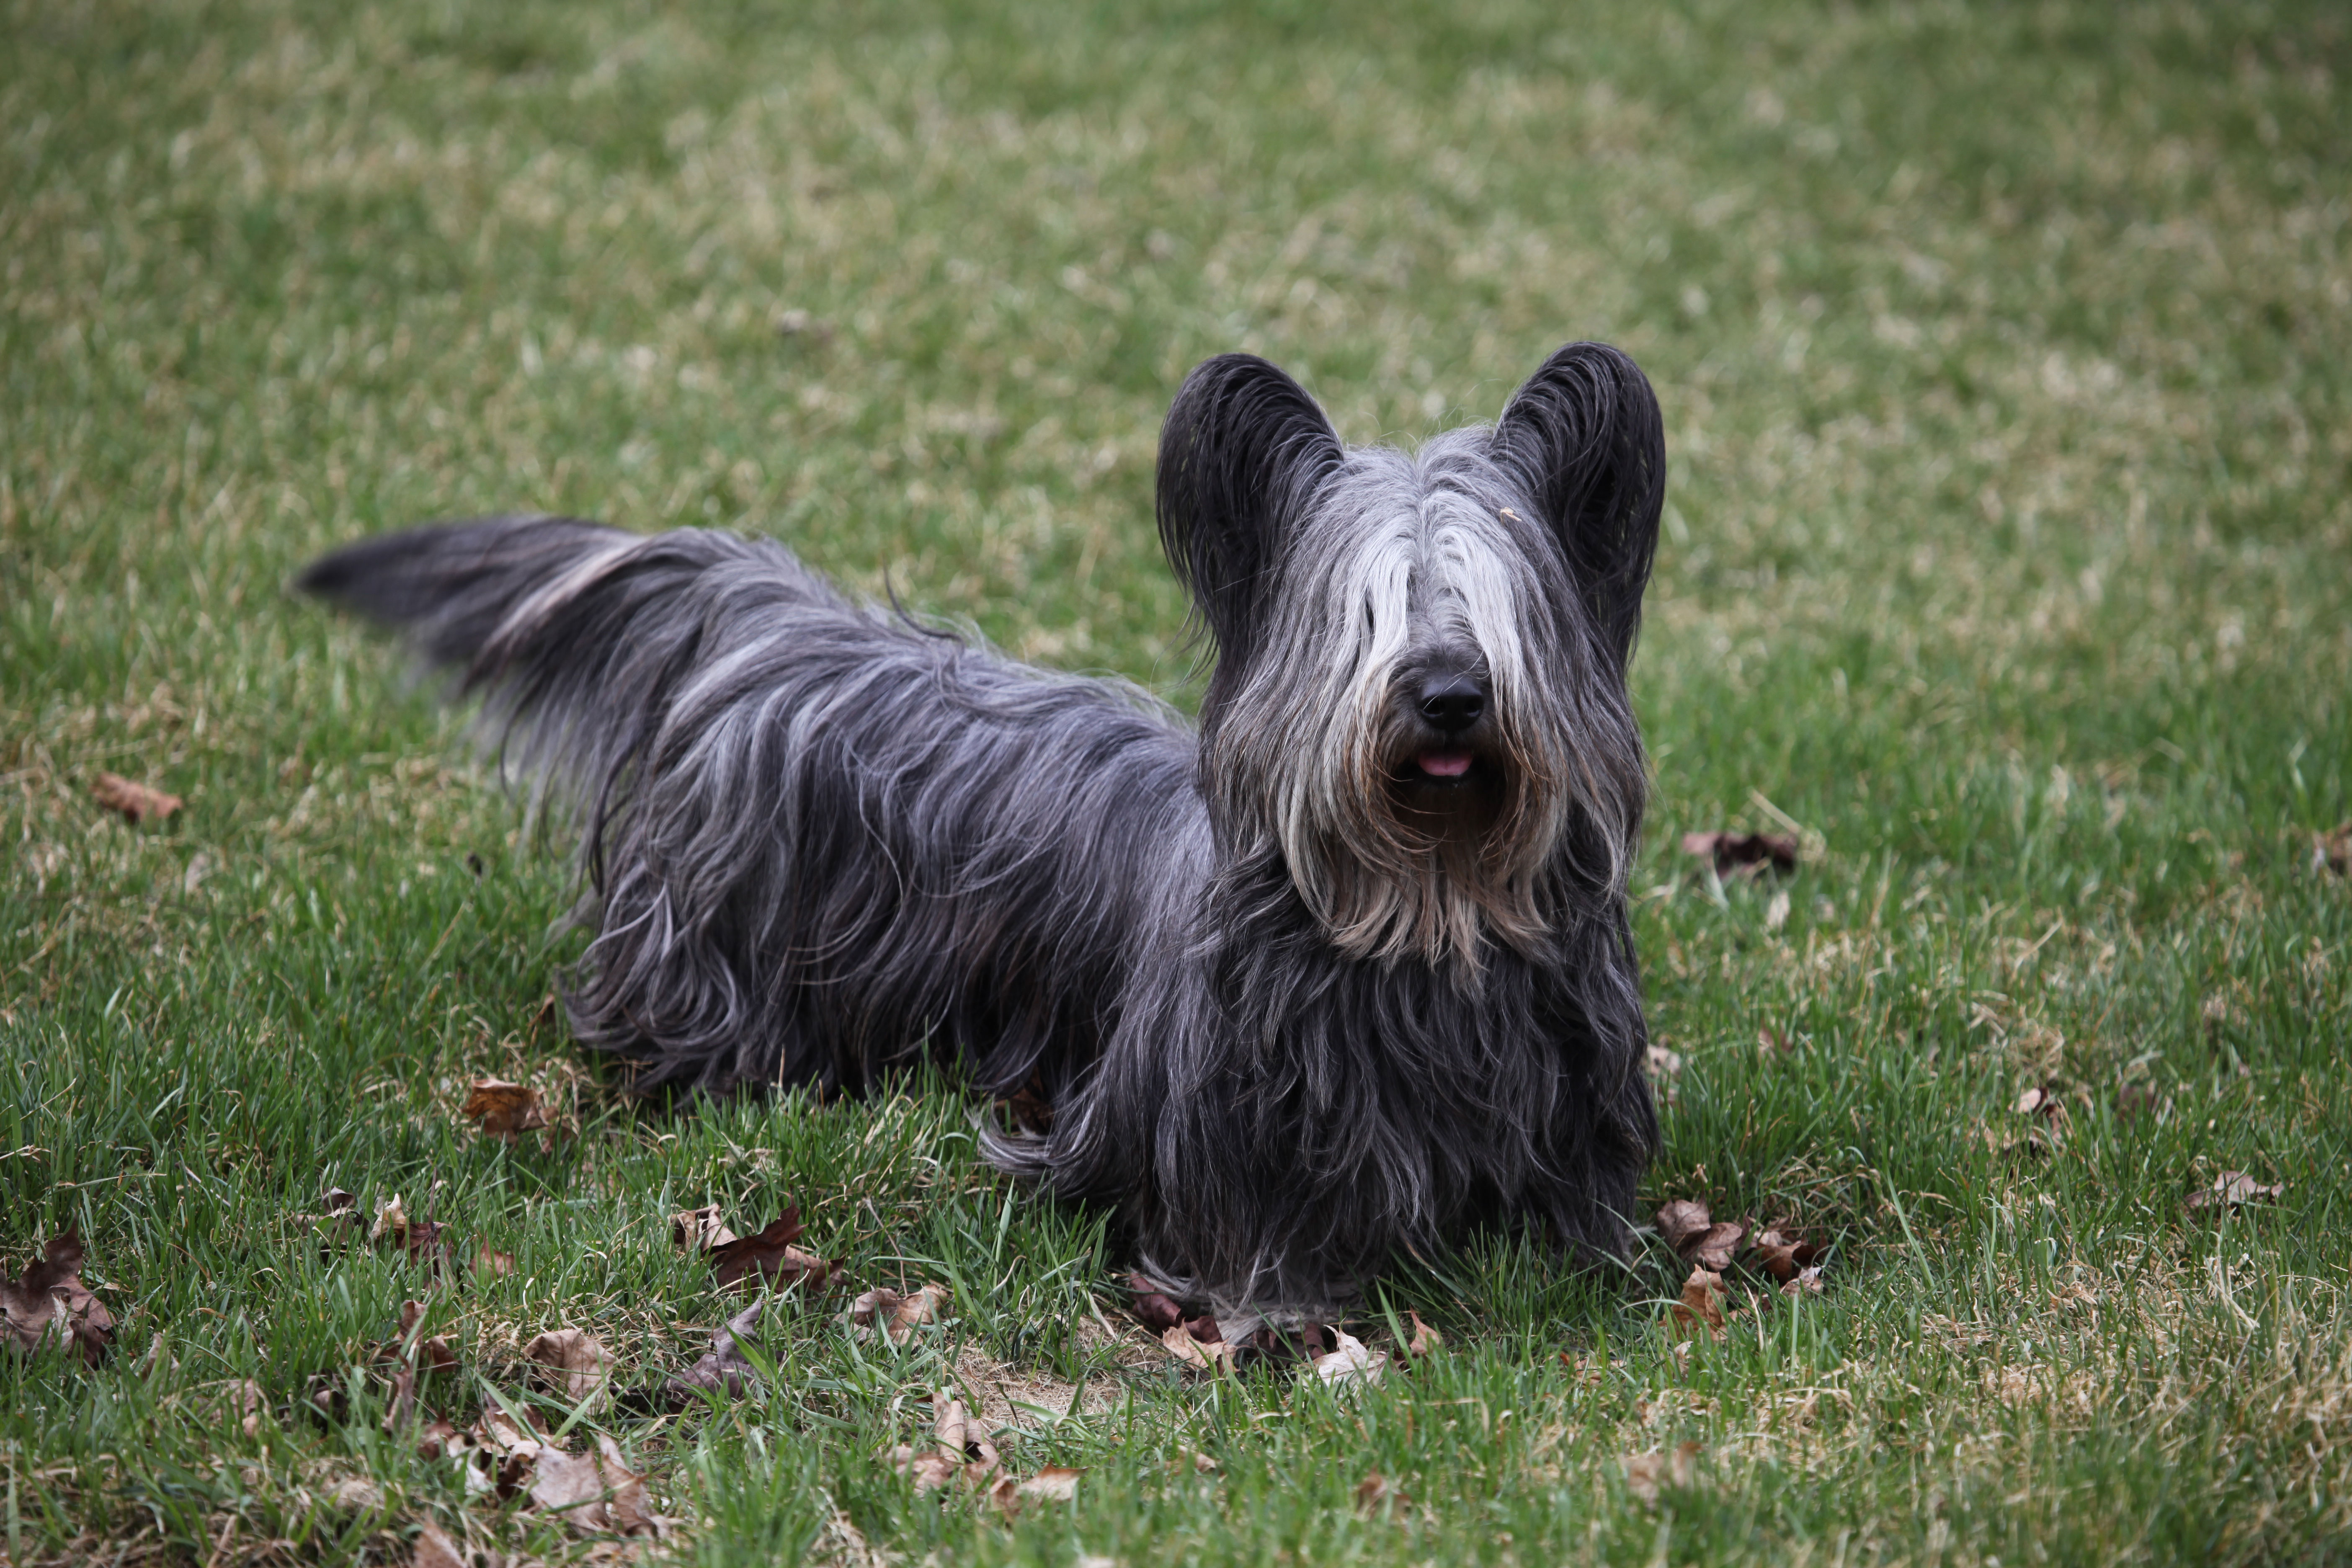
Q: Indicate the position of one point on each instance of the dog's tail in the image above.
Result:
(572, 632)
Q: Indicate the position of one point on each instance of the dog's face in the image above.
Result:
(1419, 701)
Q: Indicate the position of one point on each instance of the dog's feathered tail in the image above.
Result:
(819, 840)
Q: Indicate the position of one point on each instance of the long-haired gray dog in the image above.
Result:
(1345, 972)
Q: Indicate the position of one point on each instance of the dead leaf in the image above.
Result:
(434, 1549)
(1701, 1303)
(335, 1201)
(2032, 1100)
(439, 1438)
(2134, 1098)
(768, 1257)
(1662, 1062)
(929, 1468)
(699, 1230)
(1784, 1256)
(723, 1366)
(580, 1364)
(492, 1264)
(1682, 1220)
(1803, 1282)
(595, 1493)
(898, 1316)
(1743, 854)
(432, 1354)
(2332, 851)
(244, 1403)
(1214, 1355)
(423, 1240)
(2233, 1189)
(503, 1109)
(1691, 1231)
(1420, 1339)
(1349, 1364)
(50, 1302)
(354, 1495)
(135, 802)
(1376, 1493)
(1645, 1473)
(1054, 1483)
(960, 1435)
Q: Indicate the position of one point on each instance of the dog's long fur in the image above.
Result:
(1297, 999)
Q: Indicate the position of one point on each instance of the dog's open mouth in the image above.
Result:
(1443, 767)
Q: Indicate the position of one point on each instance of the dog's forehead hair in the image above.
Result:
(1427, 552)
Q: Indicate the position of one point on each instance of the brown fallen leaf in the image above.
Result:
(930, 1468)
(425, 1241)
(699, 1230)
(1349, 1364)
(436, 1439)
(578, 1364)
(1803, 1282)
(898, 1316)
(2134, 1099)
(1645, 1473)
(1691, 1231)
(2332, 851)
(49, 1302)
(434, 1549)
(1701, 1304)
(1784, 1256)
(1377, 1494)
(1420, 1340)
(2233, 1189)
(1214, 1355)
(1743, 854)
(135, 802)
(595, 1494)
(1682, 1220)
(492, 1264)
(504, 1110)
(723, 1367)
(1054, 1483)
(354, 1494)
(407, 1356)
(768, 1256)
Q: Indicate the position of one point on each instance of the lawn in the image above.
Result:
(2008, 567)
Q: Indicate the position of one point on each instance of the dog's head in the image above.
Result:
(1419, 702)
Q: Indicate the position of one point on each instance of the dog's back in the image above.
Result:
(818, 838)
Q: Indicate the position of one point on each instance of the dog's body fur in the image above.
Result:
(1344, 973)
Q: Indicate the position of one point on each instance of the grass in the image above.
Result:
(2004, 354)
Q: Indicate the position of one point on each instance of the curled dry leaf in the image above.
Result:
(2134, 1099)
(49, 1302)
(134, 801)
(1645, 1473)
(503, 1109)
(722, 1367)
(1376, 1494)
(1784, 1256)
(768, 1256)
(1803, 1282)
(898, 1316)
(354, 1495)
(1349, 1364)
(2233, 1189)
(1662, 1062)
(1211, 1355)
(1701, 1305)
(596, 1494)
(492, 1264)
(1691, 1231)
(960, 1435)
(1420, 1339)
(244, 1403)
(1742, 854)
(2332, 851)
(930, 1468)
(699, 1230)
(435, 1549)
(423, 1240)
(578, 1365)
(1054, 1483)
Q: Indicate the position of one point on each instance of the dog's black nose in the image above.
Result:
(1451, 703)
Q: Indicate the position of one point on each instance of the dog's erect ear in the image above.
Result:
(1243, 451)
(1585, 435)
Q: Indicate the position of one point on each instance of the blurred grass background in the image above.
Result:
(2003, 349)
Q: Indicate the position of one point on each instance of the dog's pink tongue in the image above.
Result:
(1445, 764)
